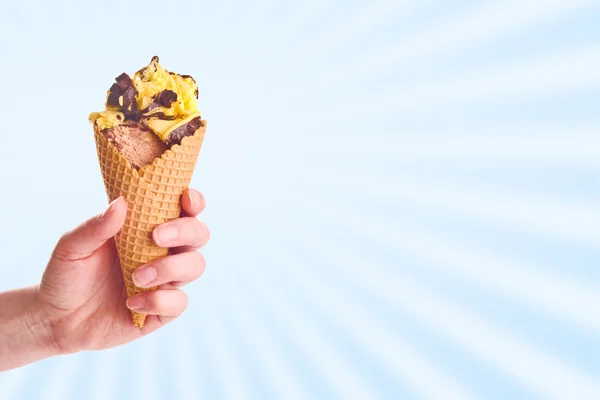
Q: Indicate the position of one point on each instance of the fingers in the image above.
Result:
(186, 231)
(192, 203)
(177, 269)
(92, 234)
(166, 302)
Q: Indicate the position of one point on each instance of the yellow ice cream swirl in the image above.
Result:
(164, 100)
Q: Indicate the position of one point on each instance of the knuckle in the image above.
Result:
(203, 234)
(198, 259)
(63, 251)
(153, 300)
(66, 237)
(60, 253)
(182, 266)
(207, 233)
(202, 204)
(201, 264)
(179, 303)
(184, 300)
(197, 263)
(198, 233)
(167, 267)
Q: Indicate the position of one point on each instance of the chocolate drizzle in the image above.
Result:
(162, 99)
(184, 130)
(153, 67)
(161, 115)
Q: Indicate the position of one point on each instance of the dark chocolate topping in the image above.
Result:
(184, 130)
(113, 96)
(161, 115)
(162, 99)
(122, 95)
(124, 81)
(166, 98)
(129, 97)
(193, 125)
(153, 64)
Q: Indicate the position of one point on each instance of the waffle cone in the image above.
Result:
(153, 196)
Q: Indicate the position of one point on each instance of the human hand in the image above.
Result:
(82, 296)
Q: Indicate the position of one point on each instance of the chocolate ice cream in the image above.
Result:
(137, 143)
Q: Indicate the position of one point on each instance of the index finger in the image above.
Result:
(192, 203)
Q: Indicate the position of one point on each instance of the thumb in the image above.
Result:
(92, 234)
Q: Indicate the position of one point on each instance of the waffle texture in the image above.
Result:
(153, 196)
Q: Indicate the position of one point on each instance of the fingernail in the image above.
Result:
(136, 303)
(195, 198)
(109, 208)
(166, 233)
(143, 276)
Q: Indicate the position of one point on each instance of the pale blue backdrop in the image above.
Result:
(402, 195)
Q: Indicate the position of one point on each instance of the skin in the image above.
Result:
(81, 303)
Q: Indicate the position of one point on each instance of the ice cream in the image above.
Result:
(148, 139)
(154, 101)
(138, 144)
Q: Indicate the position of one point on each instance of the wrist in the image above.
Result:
(41, 323)
(26, 331)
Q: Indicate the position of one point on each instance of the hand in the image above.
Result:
(82, 294)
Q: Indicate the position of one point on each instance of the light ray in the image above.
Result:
(256, 17)
(557, 295)
(62, 377)
(9, 27)
(537, 371)
(570, 71)
(228, 368)
(359, 21)
(12, 382)
(189, 381)
(397, 355)
(288, 27)
(475, 27)
(332, 364)
(564, 219)
(146, 369)
(574, 148)
(276, 367)
(105, 378)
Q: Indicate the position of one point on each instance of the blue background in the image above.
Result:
(402, 195)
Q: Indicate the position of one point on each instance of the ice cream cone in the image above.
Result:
(153, 196)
